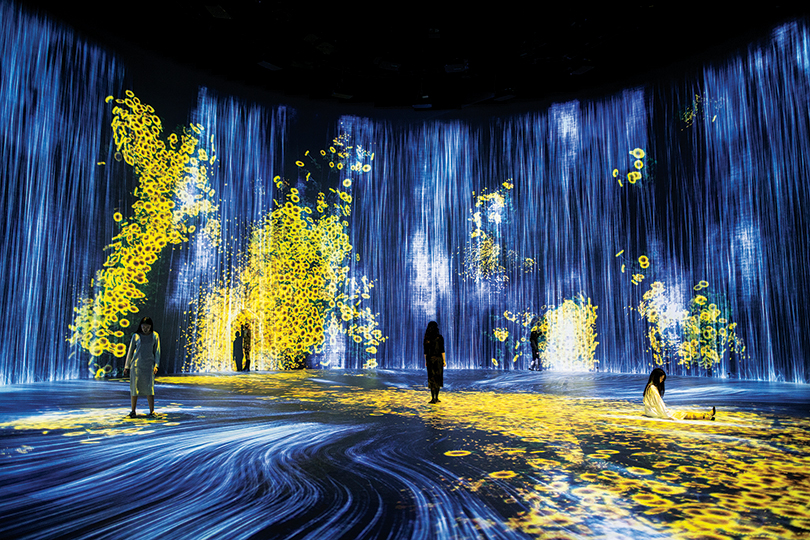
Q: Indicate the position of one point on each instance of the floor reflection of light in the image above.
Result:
(328, 452)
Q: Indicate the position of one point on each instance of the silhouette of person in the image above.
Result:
(246, 337)
(534, 337)
(237, 351)
(435, 362)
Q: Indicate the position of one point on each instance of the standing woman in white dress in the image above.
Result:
(143, 359)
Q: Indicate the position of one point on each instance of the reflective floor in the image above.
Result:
(335, 454)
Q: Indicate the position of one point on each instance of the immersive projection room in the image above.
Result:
(283, 271)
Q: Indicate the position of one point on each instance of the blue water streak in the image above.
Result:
(722, 198)
(56, 199)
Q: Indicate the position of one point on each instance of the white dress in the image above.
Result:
(143, 356)
(654, 406)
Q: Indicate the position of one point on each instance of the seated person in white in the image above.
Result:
(654, 404)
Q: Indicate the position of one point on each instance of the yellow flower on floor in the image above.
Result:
(652, 500)
(503, 474)
(666, 489)
(638, 470)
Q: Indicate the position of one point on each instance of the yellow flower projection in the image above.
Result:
(701, 335)
(701, 108)
(629, 266)
(172, 191)
(484, 258)
(632, 176)
(567, 334)
(292, 287)
(597, 462)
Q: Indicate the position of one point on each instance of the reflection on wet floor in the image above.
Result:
(362, 454)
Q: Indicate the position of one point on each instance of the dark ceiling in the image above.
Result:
(424, 57)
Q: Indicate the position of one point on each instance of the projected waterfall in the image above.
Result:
(58, 188)
(657, 226)
(292, 286)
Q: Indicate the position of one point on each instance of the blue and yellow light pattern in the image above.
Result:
(567, 339)
(485, 258)
(172, 196)
(702, 335)
(293, 286)
(634, 170)
(551, 465)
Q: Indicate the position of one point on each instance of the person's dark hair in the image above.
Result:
(653, 380)
(145, 320)
(432, 330)
(431, 335)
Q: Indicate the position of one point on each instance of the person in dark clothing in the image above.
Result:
(237, 351)
(534, 337)
(246, 345)
(435, 361)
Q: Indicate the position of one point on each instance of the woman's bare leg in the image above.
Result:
(134, 400)
(151, 400)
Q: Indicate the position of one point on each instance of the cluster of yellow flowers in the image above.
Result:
(513, 345)
(565, 467)
(700, 106)
(293, 286)
(705, 334)
(173, 188)
(483, 257)
(642, 264)
(523, 318)
(634, 175)
(567, 334)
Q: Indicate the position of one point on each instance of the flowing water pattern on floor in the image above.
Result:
(351, 454)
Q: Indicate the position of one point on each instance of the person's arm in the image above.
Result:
(157, 351)
(441, 345)
(130, 354)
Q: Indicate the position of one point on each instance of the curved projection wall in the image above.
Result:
(661, 225)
